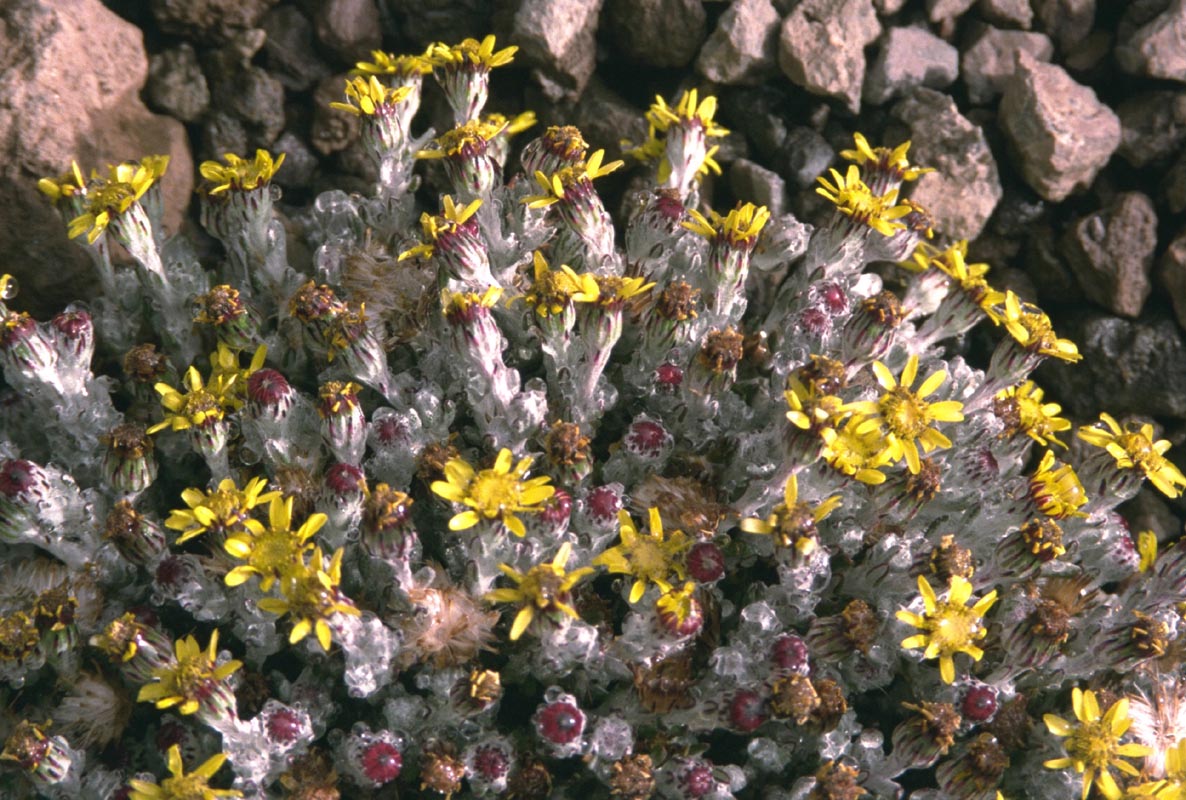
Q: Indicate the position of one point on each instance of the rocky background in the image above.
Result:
(1057, 127)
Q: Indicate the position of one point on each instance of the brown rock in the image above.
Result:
(557, 38)
(1067, 22)
(1158, 47)
(744, 46)
(1111, 253)
(332, 130)
(209, 21)
(821, 47)
(658, 33)
(1173, 275)
(1060, 130)
(70, 76)
(350, 28)
(991, 61)
(1017, 13)
(1153, 126)
(938, 10)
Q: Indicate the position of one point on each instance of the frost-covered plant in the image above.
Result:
(502, 501)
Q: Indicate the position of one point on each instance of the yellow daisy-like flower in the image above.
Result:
(678, 603)
(857, 449)
(893, 162)
(367, 97)
(310, 595)
(1024, 412)
(449, 220)
(578, 177)
(196, 408)
(652, 557)
(1029, 326)
(65, 185)
(949, 626)
(690, 108)
(554, 290)
(792, 523)
(906, 414)
(271, 552)
(464, 140)
(853, 198)
(1133, 448)
(239, 173)
(228, 380)
(471, 54)
(108, 198)
(510, 125)
(460, 307)
(1093, 744)
(1057, 492)
(739, 228)
(614, 291)
(543, 589)
(811, 408)
(497, 493)
(185, 683)
(194, 786)
(389, 64)
(224, 510)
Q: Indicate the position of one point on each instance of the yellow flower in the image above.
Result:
(1147, 547)
(544, 589)
(1038, 420)
(853, 198)
(1093, 745)
(793, 523)
(460, 307)
(197, 408)
(510, 126)
(498, 493)
(189, 680)
(893, 161)
(554, 290)
(1029, 326)
(739, 228)
(906, 414)
(369, 97)
(811, 406)
(1133, 448)
(679, 603)
(950, 626)
(613, 291)
(180, 786)
(1057, 492)
(240, 174)
(311, 596)
(579, 175)
(452, 218)
(274, 551)
(66, 185)
(108, 198)
(857, 449)
(690, 108)
(225, 510)
(388, 64)
(652, 557)
(464, 140)
(471, 54)
(228, 380)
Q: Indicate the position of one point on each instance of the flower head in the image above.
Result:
(1029, 326)
(690, 110)
(614, 291)
(853, 198)
(272, 552)
(543, 589)
(465, 141)
(107, 199)
(435, 226)
(190, 679)
(1022, 410)
(906, 414)
(200, 407)
(1057, 492)
(1093, 744)
(367, 97)
(893, 162)
(224, 510)
(554, 290)
(576, 178)
(239, 174)
(66, 185)
(856, 449)
(1133, 448)
(180, 786)
(311, 596)
(228, 378)
(738, 229)
(793, 523)
(649, 557)
(949, 626)
(497, 493)
(470, 55)
(389, 64)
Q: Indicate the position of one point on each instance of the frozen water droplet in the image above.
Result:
(9, 286)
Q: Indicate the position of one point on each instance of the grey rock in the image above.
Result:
(256, 98)
(1172, 271)
(176, 85)
(606, 118)
(988, 64)
(1007, 12)
(300, 162)
(758, 113)
(222, 133)
(938, 10)
(288, 50)
(1062, 133)
(1153, 126)
(349, 28)
(1046, 267)
(887, 7)
(821, 47)
(1158, 47)
(1111, 253)
(658, 33)
(1174, 186)
(208, 21)
(331, 130)
(1067, 22)
(910, 57)
(425, 21)
(964, 188)
(1128, 367)
(70, 78)
(743, 49)
(805, 155)
(758, 185)
(557, 38)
